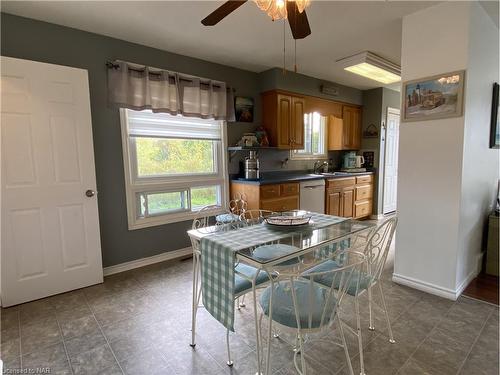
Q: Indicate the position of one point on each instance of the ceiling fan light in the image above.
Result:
(302, 4)
(276, 9)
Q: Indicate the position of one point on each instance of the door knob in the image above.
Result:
(90, 193)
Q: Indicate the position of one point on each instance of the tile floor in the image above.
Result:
(138, 322)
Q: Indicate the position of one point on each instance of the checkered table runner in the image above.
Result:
(218, 257)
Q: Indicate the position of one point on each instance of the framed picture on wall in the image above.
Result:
(495, 120)
(435, 97)
(243, 109)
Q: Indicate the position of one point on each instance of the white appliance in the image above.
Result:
(312, 196)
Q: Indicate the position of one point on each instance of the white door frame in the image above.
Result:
(393, 111)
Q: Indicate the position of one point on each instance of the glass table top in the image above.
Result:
(316, 238)
(316, 242)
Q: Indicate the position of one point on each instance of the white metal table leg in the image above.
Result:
(391, 337)
(370, 296)
(229, 360)
(270, 331)
(360, 340)
(257, 330)
(341, 329)
(194, 307)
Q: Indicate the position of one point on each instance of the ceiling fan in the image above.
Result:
(294, 10)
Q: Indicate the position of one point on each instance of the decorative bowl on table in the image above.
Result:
(289, 219)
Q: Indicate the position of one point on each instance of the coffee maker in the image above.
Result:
(349, 160)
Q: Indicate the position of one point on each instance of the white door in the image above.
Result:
(391, 160)
(50, 229)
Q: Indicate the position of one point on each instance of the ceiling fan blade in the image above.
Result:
(217, 15)
(298, 21)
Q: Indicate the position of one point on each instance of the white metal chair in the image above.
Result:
(246, 277)
(271, 249)
(237, 207)
(301, 303)
(375, 250)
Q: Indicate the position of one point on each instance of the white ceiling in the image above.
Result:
(247, 38)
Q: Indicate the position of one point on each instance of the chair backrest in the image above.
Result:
(327, 287)
(202, 218)
(238, 205)
(378, 245)
(255, 216)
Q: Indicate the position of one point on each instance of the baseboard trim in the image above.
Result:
(168, 255)
(436, 289)
(425, 286)
(377, 217)
(464, 284)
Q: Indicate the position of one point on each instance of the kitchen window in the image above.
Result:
(314, 138)
(174, 166)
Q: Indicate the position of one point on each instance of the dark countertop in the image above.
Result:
(268, 178)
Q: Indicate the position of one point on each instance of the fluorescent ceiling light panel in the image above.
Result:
(371, 66)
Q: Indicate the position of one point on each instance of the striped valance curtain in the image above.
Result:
(141, 87)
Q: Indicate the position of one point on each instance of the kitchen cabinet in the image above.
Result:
(345, 133)
(340, 196)
(283, 119)
(350, 196)
(274, 197)
(333, 206)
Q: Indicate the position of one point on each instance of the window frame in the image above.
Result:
(135, 185)
(296, 155)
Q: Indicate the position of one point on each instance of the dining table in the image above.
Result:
(220, 248)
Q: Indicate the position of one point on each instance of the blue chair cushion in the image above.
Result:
(241, 284)
(227, 218)
(267, 252)
(311, 300)
(327, 279)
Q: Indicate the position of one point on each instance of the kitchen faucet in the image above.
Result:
(319, 164)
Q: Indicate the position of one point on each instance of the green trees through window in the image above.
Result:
(166, 156)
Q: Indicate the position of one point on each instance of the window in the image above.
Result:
(314, 138)
(174, 166)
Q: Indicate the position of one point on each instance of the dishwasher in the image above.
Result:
(312, 196)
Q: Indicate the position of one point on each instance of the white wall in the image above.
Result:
(435, 166)
(480, 170)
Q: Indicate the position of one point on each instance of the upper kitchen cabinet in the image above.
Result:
(345, 133)
(323, 106)
(283, 119)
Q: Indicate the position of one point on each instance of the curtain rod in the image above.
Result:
(113, 65)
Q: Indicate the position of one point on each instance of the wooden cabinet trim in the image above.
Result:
(270, 191)
(280, 204)
(289, 189)
(340, 182)
(364, 179)
(364, 192)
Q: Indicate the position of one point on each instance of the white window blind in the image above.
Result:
(149, 124)
(174, 165)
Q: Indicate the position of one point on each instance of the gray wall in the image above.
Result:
(296, 82)
(40, 41)
(34, 40)
(375, 104)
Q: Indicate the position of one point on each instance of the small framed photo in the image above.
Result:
(495, 120)
(435, 97)
(243, 109)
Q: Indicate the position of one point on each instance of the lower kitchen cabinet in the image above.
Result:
(340, 196)
(333, 204)
(274, 197)
(350, 196)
